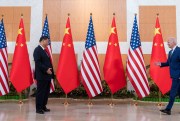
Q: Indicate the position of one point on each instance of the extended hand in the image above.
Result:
(157, 63)
(49, 71)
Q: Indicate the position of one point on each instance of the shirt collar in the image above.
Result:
(42, 47)
(174, 48)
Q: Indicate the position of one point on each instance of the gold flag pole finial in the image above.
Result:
(90, 14)
(114, 14)
(157, 14)
(135, 14)
(68, 14)
(46, 14)
(21, 15)
(2, 16)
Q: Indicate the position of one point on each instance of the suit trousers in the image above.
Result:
(175, 88)
(42, 93)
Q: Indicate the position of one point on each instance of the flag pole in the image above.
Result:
(111, 104)
(136, 97)
(159, 95)
(20, 93)
(136, 100)
(90, 102)
(159, 92)
(66, 103)
(20, 98)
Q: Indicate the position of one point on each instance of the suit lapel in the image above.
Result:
(174, 52)
(43, 51)
(40, 47)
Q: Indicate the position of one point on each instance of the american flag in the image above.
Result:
(45, 32)
(136, 71)
(4, 86)
(90, 70)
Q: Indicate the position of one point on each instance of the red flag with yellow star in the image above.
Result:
(113, 66)
(21, 75)
(160, 76)
(67, 71)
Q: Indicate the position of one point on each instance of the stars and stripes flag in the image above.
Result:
(90, 70)
(4, 86)
(45, 32)
(136, 71)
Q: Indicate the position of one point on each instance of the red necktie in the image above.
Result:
(46, 52)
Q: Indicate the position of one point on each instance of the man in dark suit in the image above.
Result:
(173, 62)
(43, 74)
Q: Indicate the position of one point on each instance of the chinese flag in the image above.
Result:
(67, 72)
(160, 76)
(113, 67)
(21, 75)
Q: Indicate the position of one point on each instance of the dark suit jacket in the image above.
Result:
(174, 63)
(42, 63)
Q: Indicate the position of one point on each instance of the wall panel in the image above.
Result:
(12, 17)
(147, 19)
(80, 10)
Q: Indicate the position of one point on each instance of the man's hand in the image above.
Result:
(157, 63)
(49, 71)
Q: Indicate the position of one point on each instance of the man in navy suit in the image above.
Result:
(43, 74)
(173, 62)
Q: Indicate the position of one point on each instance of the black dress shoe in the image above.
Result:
(46, 109)
(40, 111)
(166, 111)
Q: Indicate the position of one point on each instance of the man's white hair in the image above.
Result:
(173, 39)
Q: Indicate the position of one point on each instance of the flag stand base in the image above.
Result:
(66, 103)
(111, 104)
(160, 103)
(136, 101)
(20, 102)
(90, 104)
(136, 104)
(20, 98)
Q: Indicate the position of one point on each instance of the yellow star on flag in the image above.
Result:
(66, 31)
(109, 43)
(69, 45)
(161, 45)
(20, 31)
(155, 44)
(156, 31)
(113, 30)
(115, 44)
(21, 45)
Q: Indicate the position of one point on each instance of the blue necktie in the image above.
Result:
(170, 53)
